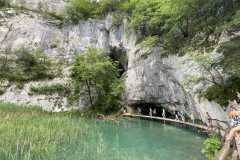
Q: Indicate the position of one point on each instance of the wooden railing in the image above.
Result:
(217, 128)
(226, 150)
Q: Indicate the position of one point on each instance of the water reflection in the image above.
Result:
(138, 139)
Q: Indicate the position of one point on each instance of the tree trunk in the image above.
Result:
(235, 155)
(89, 93)
(6, 59)
(223, 152)
(221, 77)
(224, 6)
(227, 4)
(184, 29)
(231, 4)
(98, 91)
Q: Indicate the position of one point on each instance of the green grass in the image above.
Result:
(31, 133)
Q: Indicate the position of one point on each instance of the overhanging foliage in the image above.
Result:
(100, 75)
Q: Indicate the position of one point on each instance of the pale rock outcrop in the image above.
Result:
(23, 96)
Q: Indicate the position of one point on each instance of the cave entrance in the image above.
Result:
(145, 109)
(119, 54)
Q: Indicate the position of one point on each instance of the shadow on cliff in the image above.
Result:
(145, 109)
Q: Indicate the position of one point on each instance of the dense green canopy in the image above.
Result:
(100, 75)
(177, 24)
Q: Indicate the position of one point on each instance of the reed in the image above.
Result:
(31, 133)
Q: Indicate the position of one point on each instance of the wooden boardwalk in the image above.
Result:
(222, 132)
(203, 128)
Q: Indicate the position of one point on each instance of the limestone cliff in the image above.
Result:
(150, 79)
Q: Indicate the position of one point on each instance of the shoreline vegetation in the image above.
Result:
(28, 132)
(31, 133)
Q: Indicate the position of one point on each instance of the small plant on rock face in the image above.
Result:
(117, 20)
(40, 6)
(46, 7)
(2, 91)
(23, 3)
(61, 89)
(20, 85)
(54, 43)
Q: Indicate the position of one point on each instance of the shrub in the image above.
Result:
(20, 85)
(4, 3)
(23, 65)
(54, 45)
(2, 91)
(80, 10)
(150, 41)
(56, 16)
(117, 20)
(23, 3)
(211, 146)
(40, 6)
(84, 9)
(61, 89)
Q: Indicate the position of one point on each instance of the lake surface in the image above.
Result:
(138, 139)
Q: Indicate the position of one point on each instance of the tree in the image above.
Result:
(4, 3)
(230, 56)
(80, 9)
(84, 9)
(180, 24)
(205, 67)
(5, 62)
(215, 64)
(216, 72)
(23, 65)
(100, 75)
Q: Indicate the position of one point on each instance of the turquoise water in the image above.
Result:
(137, 139)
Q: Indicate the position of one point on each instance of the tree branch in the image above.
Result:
(89, 92)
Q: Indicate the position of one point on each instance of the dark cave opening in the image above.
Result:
(145, 109)
(119, 54)
(120, 66)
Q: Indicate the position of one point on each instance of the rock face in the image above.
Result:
(42, 5)
(150, 79)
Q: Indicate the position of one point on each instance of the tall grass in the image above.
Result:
(30, 133)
